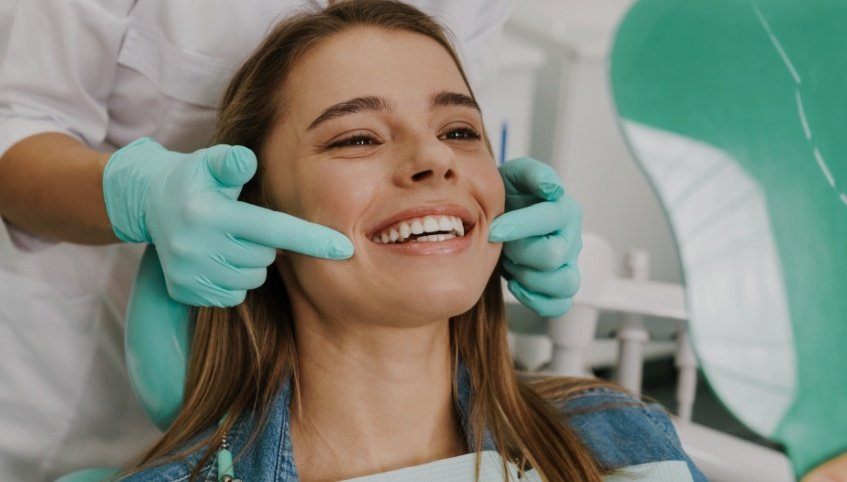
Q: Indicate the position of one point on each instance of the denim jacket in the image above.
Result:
(618, 429)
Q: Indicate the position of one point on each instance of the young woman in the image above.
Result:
(398, 356)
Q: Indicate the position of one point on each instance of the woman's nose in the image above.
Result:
(430, 161)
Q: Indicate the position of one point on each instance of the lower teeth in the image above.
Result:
(429, 238)
(435, 237)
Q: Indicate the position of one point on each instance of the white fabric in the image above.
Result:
(107, 72)
(461, 469)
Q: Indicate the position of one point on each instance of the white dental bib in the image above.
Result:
(461, 468)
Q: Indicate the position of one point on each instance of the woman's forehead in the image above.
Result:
(399, 66)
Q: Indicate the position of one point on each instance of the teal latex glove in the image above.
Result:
(213, 248)
(157, 342)
(90, 475)
(542, 232)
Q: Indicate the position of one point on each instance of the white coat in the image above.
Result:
(107, 72)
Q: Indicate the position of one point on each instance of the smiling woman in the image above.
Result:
(364, 121)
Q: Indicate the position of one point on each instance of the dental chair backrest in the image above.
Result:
(737, 113)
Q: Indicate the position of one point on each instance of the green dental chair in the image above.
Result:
(737, 113)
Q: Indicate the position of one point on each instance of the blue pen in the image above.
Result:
(504, 134)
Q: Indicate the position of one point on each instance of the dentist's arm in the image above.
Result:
(50, 185)
(212, 247)
(542, 229)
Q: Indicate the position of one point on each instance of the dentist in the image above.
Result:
(105, 109)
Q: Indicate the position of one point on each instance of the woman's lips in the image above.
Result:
(434, 219)
(433, 210)
(428, 248)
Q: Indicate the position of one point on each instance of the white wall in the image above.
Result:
(7, 8)
(576, 130)
(601, 173)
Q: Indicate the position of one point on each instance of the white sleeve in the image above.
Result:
(57, 74)
(59, 68)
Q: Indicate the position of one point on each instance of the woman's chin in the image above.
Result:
(435, 289)
(427, 305)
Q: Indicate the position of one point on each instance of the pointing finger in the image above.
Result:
(283, 231)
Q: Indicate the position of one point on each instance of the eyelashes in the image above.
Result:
(358, 140)
(465, 133)
(364, 140)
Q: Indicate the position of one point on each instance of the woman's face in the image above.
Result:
(379, 139)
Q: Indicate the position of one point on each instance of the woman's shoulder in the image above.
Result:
(621, 430)
(618, 425)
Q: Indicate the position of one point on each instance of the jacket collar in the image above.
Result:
(272, 451)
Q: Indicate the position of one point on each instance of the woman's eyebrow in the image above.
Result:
(352, 106)
(448, 99)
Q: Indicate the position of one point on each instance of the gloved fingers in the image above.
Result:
(227, 298)
(545, 253)
(559, 283)
(212, 269)
(235, 279)
(518, 201)
(526, 175)
(541, 218)
(200, 278)
(204, 293)
(231, 166)
(546, 306)
(279, 230)
(246, 254)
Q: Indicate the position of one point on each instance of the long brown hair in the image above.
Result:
(254, 342)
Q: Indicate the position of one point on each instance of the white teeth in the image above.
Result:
(430, 224)
(417, 227)
(445, 224)
(458, 226)
(405, 230)
(434, 238)
(449, 226)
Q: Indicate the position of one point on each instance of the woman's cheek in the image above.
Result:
(493, 192)
(339, 193)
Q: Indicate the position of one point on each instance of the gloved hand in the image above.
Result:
(542, 229)
(212, 247)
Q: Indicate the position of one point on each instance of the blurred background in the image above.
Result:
(555, 101)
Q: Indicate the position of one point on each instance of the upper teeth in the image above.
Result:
(416, 228)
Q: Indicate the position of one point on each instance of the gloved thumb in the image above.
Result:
(231, 166)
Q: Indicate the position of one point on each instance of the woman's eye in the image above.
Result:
(461, 134)
(354, 141)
